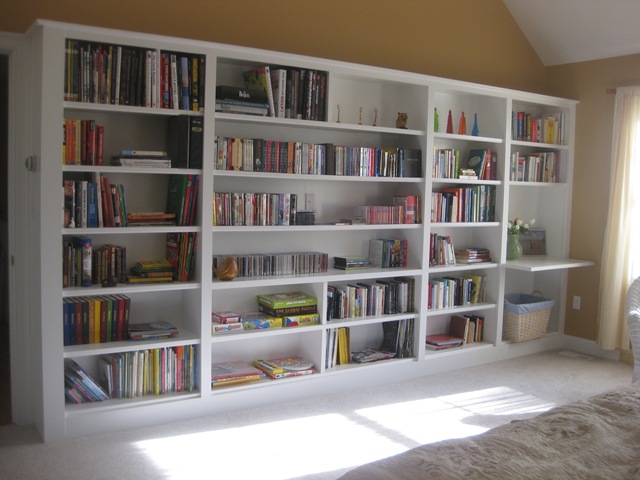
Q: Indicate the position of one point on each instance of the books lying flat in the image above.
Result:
(152, 330)
(151, 218)
(285, 366)
(442, 341)
(233, 373)
(371, 355)
(141, 161)
(350, 263)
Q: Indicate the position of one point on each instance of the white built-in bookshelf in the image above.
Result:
(355, 97)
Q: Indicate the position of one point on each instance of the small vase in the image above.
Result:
(514, 249)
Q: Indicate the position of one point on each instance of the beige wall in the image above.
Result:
(587, 82)
(473, 40)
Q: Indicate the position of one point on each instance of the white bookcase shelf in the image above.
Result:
(356, 96)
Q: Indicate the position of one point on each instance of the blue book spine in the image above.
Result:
(92, 206)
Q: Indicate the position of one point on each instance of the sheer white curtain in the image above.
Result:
(621, 252)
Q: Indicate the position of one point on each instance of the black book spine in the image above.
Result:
(195, 142)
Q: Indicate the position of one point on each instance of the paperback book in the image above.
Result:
(285, 366)
(152, 330)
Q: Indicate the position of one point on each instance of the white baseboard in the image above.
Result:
(589, 347)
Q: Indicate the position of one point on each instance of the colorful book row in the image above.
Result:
(250, 209)
(97, 319)
(464, 204)
(535, 167)
(105, 262)
(362, 299)
(454, 291)
(274, 156)
(155, 371)
(123, 75)
(82, 142)
(527, 127)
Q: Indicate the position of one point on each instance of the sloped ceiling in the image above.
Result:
(569, 31)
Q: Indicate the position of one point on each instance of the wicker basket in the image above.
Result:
(525, 316)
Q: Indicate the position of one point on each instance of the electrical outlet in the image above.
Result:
(576, 302)
(309, 201)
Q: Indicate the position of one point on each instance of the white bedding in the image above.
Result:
(597, 438)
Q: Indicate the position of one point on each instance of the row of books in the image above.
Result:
(463, 329)
(272, 264)
(405, 209)
(455, 290)
(291, 92)
(481, 164)
(122, 75)
(154, 371)
(464, 204)
(535, 167)
(388, 252)
(82, 142)
(397, 342)
(441, 250)
(182, 198)
(181, 253)
(240, 372)
(364, 299)
(102, 204)
(97, 319)
(249, 209)
(548, 128)
(104, 263)
(275, 156)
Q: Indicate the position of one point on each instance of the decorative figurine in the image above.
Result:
(401, 121)
(360, 117)
(462, 127)
(449, 123)
(436, 120)
(228, 269)
(474, 131)
(338, 108)
(375, 117)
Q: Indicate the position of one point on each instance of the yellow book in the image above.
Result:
(97, 319)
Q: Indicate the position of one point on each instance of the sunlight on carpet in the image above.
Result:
(313, 444)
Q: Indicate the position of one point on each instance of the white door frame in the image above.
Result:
(15, 47)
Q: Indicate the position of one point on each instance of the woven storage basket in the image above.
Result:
(525, 316)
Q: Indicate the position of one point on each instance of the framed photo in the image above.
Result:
(533, 242)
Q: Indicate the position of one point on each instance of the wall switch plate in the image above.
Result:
(309, 201)
(576, 302)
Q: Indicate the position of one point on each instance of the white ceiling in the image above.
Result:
(569, 31)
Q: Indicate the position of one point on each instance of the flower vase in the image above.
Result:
(514, 249)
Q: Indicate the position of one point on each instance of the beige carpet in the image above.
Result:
(323, 438)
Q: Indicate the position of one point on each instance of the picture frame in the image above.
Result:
(533, 242)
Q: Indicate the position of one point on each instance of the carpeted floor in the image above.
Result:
(321, 439)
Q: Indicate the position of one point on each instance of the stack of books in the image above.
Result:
(246, 101)
(152, 330)
(234, 373)
(142, 158)
(151, 271)
(285, 366)
(472, 255)
(350, 263)
(145, 219)
(287, 303)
